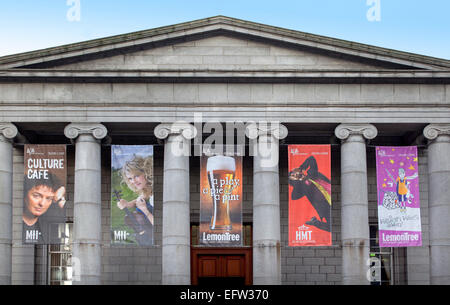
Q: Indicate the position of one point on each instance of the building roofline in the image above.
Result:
(227, 24)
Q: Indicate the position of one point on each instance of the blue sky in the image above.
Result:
(124, 153)
(415, 26)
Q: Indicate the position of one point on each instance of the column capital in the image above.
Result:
(276, 130)
(73, 130)
(8, 130)
(368, 131)
(432, 131)
(188, 131)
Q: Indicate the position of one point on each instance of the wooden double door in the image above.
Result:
(221, 266)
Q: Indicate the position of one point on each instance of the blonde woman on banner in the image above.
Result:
(137, 174)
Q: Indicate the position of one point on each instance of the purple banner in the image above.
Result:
(398, 196)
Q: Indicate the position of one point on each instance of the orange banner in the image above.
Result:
(309, 195)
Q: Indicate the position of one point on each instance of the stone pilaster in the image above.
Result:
(7, 133)
(87, 201)
(266, 202)
(354, 201)
(439, 201)
(176, 262)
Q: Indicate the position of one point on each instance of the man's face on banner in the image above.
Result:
(39, 199)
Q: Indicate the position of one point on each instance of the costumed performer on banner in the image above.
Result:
(308, 181)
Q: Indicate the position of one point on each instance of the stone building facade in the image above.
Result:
(147, 88)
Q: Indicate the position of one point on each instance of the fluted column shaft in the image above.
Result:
(176, 212)
(266, 202)
(7, 132)
(439, 201)
(87, 201)
(354, 202)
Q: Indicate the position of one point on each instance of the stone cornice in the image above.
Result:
(432, 131)
(97, 130)
(188, 131)
(8, 130)
(368, 131)
(276, 130)
(199, 75)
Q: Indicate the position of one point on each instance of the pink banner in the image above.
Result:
(398, 196)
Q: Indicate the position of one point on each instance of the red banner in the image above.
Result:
(309, 195)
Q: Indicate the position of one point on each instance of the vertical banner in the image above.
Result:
(44, 192)
(132, 195)
(398, 196)
(221, 200)
(309, 195)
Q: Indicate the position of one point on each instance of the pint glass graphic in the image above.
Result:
(221, 170)
(220, 201)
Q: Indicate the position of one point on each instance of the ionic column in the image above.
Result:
(7, 133)
(266, 202)
(354, 201)
(176, 262)
(439, 201)
(87, 201)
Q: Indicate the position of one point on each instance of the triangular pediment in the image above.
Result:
(221, 43)
(225, 51)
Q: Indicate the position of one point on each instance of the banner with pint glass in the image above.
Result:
(309, 195)
(221, 200)
(44, 194)
(398, 196)
(132, 205)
